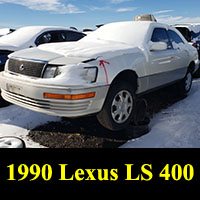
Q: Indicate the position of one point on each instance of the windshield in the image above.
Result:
(124, 32)
(20, 36)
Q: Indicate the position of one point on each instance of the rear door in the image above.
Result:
(181, 54)
(161, 63)
(165, 66)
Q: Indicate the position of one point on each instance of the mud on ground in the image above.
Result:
(87, 133)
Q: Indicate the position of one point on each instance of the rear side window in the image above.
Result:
(160, 35)
(71, 36)
(174, 37)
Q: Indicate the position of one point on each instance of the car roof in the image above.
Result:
(42, 28)
(128, 32)
(23, 36)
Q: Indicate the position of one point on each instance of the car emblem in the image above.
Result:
(21, 68)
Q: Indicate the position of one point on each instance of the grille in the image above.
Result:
(27, 68)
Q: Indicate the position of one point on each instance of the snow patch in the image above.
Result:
(176, 127)
(17, 121)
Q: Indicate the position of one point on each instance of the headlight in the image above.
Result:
(90, 74)
(51, 72)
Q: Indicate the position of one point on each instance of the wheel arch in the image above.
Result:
(128, 76)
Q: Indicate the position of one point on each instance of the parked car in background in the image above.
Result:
(191, 32)
(32, 36)
(6, 31)
(101, 74)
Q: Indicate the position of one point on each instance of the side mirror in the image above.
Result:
(158, 46)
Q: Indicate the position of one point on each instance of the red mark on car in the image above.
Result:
(102, 64)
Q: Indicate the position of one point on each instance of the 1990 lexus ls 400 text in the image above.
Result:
(102, 73)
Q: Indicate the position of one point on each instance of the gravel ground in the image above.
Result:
(87, 133)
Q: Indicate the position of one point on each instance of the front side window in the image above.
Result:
(44, 39)
(48, 37)
(160, 35)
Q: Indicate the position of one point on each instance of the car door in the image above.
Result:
(162, 63)
(181, 54)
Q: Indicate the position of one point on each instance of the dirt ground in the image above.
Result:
(2, 102)
(87, 133)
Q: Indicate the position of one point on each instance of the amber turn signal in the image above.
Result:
(69, 96)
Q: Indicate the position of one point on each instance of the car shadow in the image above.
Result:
(3, 103)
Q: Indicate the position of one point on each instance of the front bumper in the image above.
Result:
(31, 96)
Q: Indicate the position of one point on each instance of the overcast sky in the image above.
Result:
(88, 13)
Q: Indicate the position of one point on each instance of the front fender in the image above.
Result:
(114, 66)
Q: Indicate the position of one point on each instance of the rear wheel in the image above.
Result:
(186, 84)
(119, 107)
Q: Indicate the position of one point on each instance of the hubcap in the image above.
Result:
(122, 106)
(188, 81)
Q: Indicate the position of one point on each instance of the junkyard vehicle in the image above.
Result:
(32, 36)
(101, 74)
(191, 32)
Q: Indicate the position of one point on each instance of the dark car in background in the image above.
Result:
(191, 32)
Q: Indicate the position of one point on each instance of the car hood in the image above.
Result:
(86, 49)
(8, 47)
(35, 54)
(75, 52)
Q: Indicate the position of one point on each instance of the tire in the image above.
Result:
(118, 108)
(185, 84)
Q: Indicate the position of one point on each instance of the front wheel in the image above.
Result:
(118, 108)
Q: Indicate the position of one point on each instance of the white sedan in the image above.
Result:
(32, 36)
(101, 74)
(5, 31)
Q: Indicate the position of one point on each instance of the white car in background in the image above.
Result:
(32, 36)
(101, 74)
(5, 31)
(191, 32)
